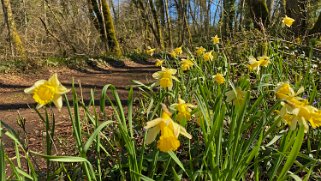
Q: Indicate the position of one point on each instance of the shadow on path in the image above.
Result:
(33, 105)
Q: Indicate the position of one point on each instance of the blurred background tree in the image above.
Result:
(42, 28)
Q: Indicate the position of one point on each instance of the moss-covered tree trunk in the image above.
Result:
(317, 26)
(110, 29)
(17, 47)
(270, 6)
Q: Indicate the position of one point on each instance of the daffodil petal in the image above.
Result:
(156, 75)
(301, 90)
(191, 105)
(58, 102)
(252, 60)
(173, 106)
(175, 78)
(151, 134)
(183, 131)
(39, 106)
(176, 128)
(53, 80)
(172, 71)
(153, 123)
(62, 90)
(36, 84)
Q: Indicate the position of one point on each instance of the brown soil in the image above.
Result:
(14, 103)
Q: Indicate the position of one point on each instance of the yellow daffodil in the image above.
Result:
(208, 56)
(186, 64)
(255, 64)
(215, 40)
(284, 91)
(46, 91)
(264, 60)
(165, 77)
(177, 51)
(153, 127)
(236, 96)
(200, 51)
(184, 110)
(287, 118)
(167, 141)
(295, 109)
(287, 21)
(150, 51)
(218, 78)
(300, 113)
(159, 63)
(173, 54)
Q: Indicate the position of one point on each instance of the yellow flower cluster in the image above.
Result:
(177, 51)
(170, 130)
(200, 51)
(47, 91)
(186, 64)
(296, 110)
(219, 78)
(208, 56)
(159, 63)
(255, 64)
(150, 51)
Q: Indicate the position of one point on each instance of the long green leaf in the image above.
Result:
(293, 154)
(2, 162)
(143, 177)
(175, 158)
(23, 173)
(94, 134)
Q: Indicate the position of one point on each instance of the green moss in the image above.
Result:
(110, 29)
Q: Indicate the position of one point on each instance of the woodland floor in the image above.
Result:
(14, 102)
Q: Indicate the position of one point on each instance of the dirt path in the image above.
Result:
(14, 102)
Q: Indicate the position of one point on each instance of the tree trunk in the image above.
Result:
(317, 26)
(228, 16)
(260, 13)
(169, 25)
(161, 9)
(110, 29)
(97, 20)
(242, 12)
(270, 5)
(15, 41)
(180, 21)
(148, 24)
(297, 9)
(160, 39)
(186, 25)
(114, 11)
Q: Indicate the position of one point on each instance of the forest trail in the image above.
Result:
(14, 102)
